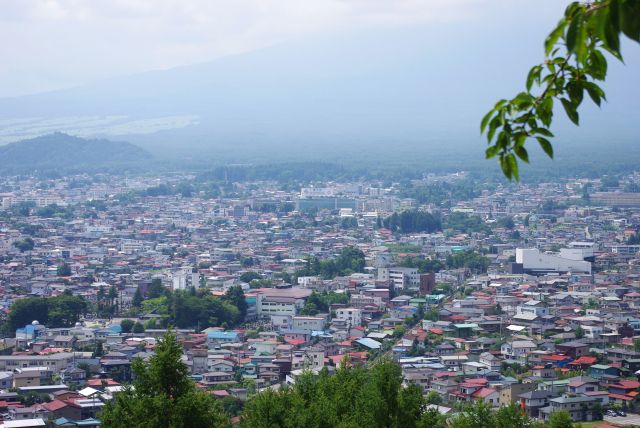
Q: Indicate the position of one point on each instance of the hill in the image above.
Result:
(62, 152)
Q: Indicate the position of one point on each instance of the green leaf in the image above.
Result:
(612, 38)
(546, 146)
(522, 153)
(554, 36)
(513, 166)
(492, 151)
(533, 76)
(614, 15)
(545, 110)
(499, 104)
(571, 111)
(574, 31)
(523, 100)
(572, 9)
(597, 64)
(576, 92)
(630, 19)
(503, 140)
(506, 168)
(595, 92)
(543, 131)
(493, 126)
(485, 120)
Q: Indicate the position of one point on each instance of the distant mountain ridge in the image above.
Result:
(59, 151)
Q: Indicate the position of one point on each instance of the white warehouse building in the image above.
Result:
(533, 262)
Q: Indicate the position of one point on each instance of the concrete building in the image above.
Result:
(531, 261)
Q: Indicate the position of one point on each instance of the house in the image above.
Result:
(490, 361)
(220, 365)
(517, 349)
(624, 387)
(543, 372)
(597, 371)
(487, 395)
(580, 408)
(216, 378)
(26, 378)
(510, 392)
(217, 338)
(453, 361)
(533, 401)
(574, 349)
(582, 385)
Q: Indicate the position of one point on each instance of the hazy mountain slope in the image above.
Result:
(406, 92)
(61, 151)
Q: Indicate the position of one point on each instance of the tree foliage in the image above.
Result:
(574, 62)
(353, 397)
(59, 311)
(193, 308)
(348, 261)
(412, 221)
(162, 395)
(23, 245)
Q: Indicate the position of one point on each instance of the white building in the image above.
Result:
(351, 316)
(308, 323)
(534, 262)
(400, 277)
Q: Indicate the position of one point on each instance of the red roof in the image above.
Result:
(620, 397)
(483, 392)
(584, 360)
(54, 405)
(100, 382)
(555, 357)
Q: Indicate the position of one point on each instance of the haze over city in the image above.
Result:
(319, 214)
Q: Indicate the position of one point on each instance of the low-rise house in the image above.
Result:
(580, 408)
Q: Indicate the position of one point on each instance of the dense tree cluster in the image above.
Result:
(198, 308)
(60, 311)
(468, 259)
(321, 302)
(440, 193)
(465, 223)
(23, 245)
(350, 260)
(424, 265)
(353, 397)
(412, 221)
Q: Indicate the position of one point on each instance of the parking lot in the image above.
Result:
(632, 419)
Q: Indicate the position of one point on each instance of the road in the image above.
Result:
(632, 419)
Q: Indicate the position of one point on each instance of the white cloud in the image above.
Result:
(48, 44)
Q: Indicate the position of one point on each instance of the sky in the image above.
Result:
(56, 44)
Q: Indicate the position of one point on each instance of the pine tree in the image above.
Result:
(137, 298)
(162, 395)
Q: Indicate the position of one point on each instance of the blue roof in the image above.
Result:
(222, 335)
(369, 343)
(90, 421)
(115, 328)
(29, 328)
